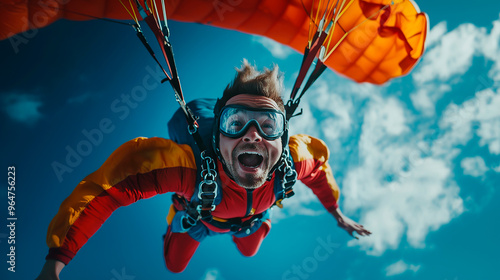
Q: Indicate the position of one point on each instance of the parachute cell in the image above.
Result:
(372, 40)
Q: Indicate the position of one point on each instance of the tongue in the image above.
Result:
(250, 160)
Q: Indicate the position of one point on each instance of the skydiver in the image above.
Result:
(249, 139)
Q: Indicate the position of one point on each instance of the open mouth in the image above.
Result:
(250, 159)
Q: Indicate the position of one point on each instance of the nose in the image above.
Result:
(252, 135)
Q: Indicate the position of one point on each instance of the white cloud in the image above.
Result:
(299, 204)
(23, 108)
(489, 131)
(305, 123)
(212, 274)
(400, 267)
(423, 102)
(486, 106)
(434, 36)
(385, 117)
(474, 166)
(336, 109)
(497, 169)
(482, 111)
(450, 56)
(329, 110)
(422, 195)
(397, 166)
(489, 46)
(399, 189)
(277, 50)
(426, 96)
(398, 186)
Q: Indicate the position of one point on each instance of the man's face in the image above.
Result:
(250, 158)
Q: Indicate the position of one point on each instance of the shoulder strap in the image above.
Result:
(207, 194)
(286, 176)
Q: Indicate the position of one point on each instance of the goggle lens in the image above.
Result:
(236, 120)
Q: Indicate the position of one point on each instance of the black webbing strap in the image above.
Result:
(207, 190)
(234, 224)
(311, 51)
(288, 177)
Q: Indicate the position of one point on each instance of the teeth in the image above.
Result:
(252, 153)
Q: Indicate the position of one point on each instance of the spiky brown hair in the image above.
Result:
(249, 80)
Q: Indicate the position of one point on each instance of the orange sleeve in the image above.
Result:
(310, 156)
(139, 169)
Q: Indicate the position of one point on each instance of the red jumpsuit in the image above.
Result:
(145, 167)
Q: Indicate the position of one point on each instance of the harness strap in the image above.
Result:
(235, 224)
(204, 201)
(205, 197)
(207, 194)
(284, 189)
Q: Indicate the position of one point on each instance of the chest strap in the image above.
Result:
(287, 178)
(208, 194)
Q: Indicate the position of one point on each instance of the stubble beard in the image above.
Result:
(249, 180)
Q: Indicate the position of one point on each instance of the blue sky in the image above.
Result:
(418, 159)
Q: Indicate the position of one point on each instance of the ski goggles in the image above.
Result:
(235, 120)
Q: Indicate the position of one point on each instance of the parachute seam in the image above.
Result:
(279, 19)
(105, 10)
(298, 34)
(204, 20)
(379, 62)
(174, 9)
(250, 15)
(359, 56)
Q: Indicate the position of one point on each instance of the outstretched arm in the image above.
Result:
(51, 270)
(311, 162)
(349, 225)
(139, 169)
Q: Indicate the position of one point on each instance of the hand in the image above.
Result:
(349, 225)
(51, 270)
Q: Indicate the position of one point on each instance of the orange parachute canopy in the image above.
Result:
(370, 41)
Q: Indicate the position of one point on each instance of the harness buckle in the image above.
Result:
(209, 176)
(192, 129)
(278, 203)
(199, 208)
(190, 220)
(236, 227)
(289, 178)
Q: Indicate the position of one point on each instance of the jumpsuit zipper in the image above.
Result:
(249, 201)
